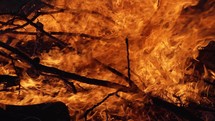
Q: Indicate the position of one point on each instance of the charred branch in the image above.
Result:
(71, 84)
(21, 8)
(113, 70)
(196, 106)
(127, 79)
(45, 69)
(9, 81)
(180, 111)
(8, 30)
(59, 42)
(83, 35)
(82, 79)
(99, 103)
(116, 72)
(128, 60)
(22, 12)
(131, 83)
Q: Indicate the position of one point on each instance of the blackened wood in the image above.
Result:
(83, 35)
(8, 30)
(60, 43)
(71, 85)
(179, 111)
(131, 83)
(207, 56)
(128, 61)
(56, 111)
(9, 81)
(195, 106)
(57, 41)
(96, 105)
(63, 74)
(118, 73)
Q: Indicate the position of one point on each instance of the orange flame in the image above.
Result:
(164, 35)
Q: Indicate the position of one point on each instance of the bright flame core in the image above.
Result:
(163, 38)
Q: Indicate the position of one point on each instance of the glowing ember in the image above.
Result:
(164, 37)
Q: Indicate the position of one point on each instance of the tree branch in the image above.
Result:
(55, 33)
(96, 105)
(45, 69)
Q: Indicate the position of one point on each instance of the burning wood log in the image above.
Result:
(56, 111)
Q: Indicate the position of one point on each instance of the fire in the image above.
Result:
(164, 36)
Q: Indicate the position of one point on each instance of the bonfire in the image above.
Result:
(107, 60)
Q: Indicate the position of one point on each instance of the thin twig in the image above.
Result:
(61, 43)
(131, 83)
(99, 103)
(70, 84)
(113, 70)
(58, 41)
(128, 60)
(8, 30)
